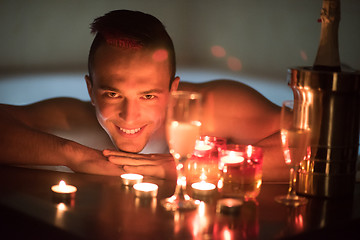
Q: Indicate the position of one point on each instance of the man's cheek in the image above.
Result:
(106, 110)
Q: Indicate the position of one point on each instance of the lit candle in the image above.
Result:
(231, 158)
(203, 149)
(63, 190)
(146, 189)
(203, 188)
(202, 146)
(131, 178)
(241, 171)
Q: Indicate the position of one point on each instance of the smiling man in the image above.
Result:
(131, 75)
(129, 90)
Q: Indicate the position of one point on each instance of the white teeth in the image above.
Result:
(130, 131)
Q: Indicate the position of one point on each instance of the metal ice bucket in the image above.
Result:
(334, 99)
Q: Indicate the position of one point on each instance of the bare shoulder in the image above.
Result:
(227, 89)
(68, 118)
(235, 111)
(59, 113)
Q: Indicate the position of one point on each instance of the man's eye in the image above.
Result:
(112, 95)
(148, 97)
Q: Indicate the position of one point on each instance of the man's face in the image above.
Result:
(130, 91)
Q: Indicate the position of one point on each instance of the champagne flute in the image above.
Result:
(182, 129)
(295, 140)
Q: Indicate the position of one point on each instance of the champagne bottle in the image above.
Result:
(327, 57)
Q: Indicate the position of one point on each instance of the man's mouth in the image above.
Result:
(130, 132)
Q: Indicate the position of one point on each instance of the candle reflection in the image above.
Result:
(146, 203)
(294, 221)
(196, 224)
(243, 224)
(59, 217)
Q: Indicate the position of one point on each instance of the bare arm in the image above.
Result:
(236, 112)
(274, 167)
(25, 138)
(243, 116)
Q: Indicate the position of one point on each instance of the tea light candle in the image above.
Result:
(231, 158)
(229, 205)
(203, 188)
(131, 178)
(146, 189)
(202, 146)
(63, 190)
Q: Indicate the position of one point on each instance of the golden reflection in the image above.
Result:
(146, 203)
(196, 224)
(227, 234)
(243, 225)
(59, 217)
(294, 221)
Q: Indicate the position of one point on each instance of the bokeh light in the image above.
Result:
(303, 55)
(234, 64)
(218, 51)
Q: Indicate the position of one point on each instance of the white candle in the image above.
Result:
(232, 158)
(63, 192)
(131, 178)
(146, 189)
(202, 146)
(63, 188)
(203, 188)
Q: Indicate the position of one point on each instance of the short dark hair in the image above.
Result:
(131, 29)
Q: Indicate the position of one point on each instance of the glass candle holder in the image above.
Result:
(218, 142)
(203, 165)
(241, 171)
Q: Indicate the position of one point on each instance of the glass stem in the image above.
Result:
(180, 189)
(292, 182)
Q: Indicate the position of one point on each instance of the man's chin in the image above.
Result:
(130, 148)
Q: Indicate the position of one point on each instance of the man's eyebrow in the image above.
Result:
(155, 90)
(107, 88)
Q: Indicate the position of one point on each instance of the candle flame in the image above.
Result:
(62, 184)
(203, 177)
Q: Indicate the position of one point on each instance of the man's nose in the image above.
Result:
(129, 110)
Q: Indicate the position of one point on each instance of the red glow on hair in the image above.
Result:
(234, 64)
(160, 55)
(218, 51)
(123, 42)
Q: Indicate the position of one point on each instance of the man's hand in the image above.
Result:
(87, 160)
(154, 165)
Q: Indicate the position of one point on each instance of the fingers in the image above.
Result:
(136, 156)
(152, 171)
(125, 161)
(108, 153)
(155, 165)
